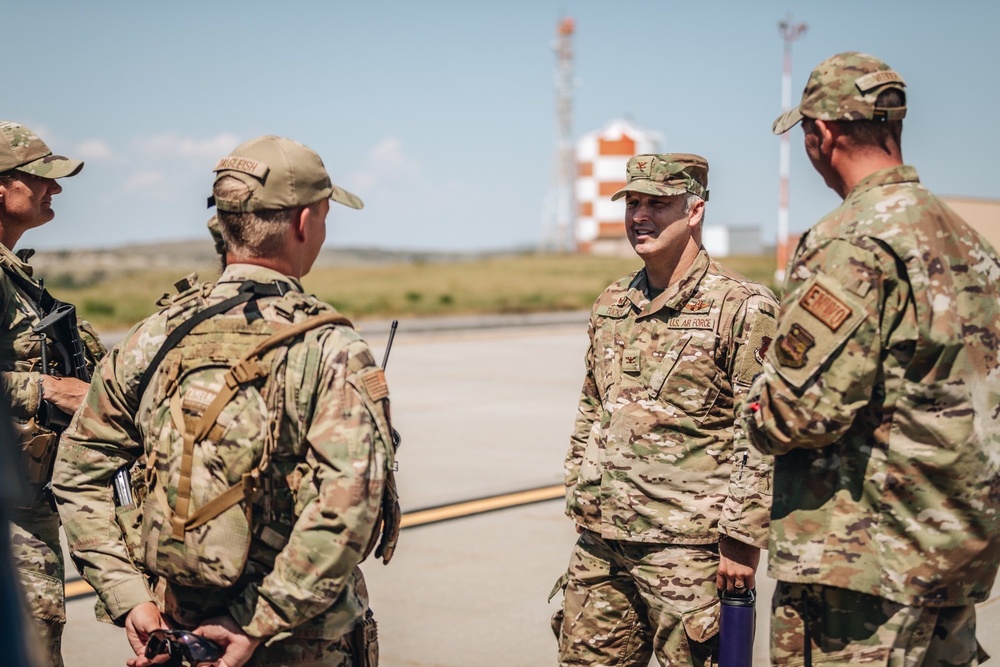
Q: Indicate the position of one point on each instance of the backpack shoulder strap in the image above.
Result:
(246, 370)
(247, 291)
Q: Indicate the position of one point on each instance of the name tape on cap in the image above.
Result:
(875, 79)
(242, 164)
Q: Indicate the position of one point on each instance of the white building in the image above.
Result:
(601, 158)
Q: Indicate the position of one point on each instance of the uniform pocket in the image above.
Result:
(702, 624)
(557, 618)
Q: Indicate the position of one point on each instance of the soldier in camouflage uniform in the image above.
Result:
(670, 501)
(28, 173)
(301, 597)
(879, 399)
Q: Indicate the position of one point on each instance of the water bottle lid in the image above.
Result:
(736, 599)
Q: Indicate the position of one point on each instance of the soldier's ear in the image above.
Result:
(300, 221)
(696, 213)
(828, 133)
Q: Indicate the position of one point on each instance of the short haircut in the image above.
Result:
(885, 135)
(250, 234)
(689, 199)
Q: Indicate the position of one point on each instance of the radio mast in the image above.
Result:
(789, 33)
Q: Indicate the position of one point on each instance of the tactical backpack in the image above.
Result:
(212, 432)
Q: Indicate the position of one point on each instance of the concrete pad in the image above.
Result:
(481, 412)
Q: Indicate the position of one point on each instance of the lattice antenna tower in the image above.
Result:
(790, 32)
(565, 167)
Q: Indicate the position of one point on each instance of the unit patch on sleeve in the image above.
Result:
(792, 347)
(760, 351)
(825, 307)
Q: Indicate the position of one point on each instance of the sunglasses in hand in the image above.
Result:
(182, 645)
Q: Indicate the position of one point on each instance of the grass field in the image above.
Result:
(510, 284)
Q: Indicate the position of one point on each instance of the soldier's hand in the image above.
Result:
(139, 622)
(238, 646)
(64, 392)
(737, 566)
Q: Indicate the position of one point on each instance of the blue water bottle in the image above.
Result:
(737, 622)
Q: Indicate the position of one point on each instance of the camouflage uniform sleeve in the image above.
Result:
(823, 363)
(337, 502)
(747, 508)
(101, 438)
(20, 387)
(587, 418)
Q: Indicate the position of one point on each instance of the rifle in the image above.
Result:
(58, 327)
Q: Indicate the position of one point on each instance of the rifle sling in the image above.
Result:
(44, 301)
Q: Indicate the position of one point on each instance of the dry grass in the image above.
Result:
(510, 284)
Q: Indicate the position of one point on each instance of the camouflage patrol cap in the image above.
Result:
(845, 87)
(666, 174)
(280, 173)
(21, 149)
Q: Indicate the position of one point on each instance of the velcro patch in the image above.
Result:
(375, 385)
(243, 165)
(875, 79)
(792, 347)
(616, 312)
(631, 362)
(825, 307)
(692, 322)
(760, 351)
(750, 355)
(197, 399)
(698, 306)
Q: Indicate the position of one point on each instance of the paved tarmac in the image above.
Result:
(482, 411)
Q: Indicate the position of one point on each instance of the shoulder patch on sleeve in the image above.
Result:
(814, 327)
(824, 305)
(763, 329)
(374, 383)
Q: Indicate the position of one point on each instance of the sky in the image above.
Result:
(440, 114)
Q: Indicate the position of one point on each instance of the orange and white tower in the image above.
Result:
(601, 158)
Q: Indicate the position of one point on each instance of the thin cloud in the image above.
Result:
(174, 146)
(387, 160)
(93, 149)
(144, 180)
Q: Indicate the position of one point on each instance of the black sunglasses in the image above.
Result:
(182, 644)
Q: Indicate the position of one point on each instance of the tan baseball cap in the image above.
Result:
(281, 173)
(845, 87)
(666, 174)
(21, 149)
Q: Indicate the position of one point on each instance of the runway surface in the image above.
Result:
(485, 412)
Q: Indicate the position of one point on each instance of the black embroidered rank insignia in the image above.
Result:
(792, 348)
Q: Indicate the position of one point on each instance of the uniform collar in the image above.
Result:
(899, 174)
(239, 273)
(675, 296)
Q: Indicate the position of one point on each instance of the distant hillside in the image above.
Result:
(76, 268)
